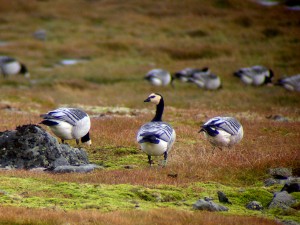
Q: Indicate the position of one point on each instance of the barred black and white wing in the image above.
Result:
(155, 131)
(227, 124)
(69, 115)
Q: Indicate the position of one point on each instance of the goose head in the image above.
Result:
(154, 98)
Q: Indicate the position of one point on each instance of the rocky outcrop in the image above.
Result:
(282, 200)
(30, 146)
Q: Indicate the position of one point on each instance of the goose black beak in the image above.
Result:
(147, 100)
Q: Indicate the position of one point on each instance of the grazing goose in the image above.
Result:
(156, 137)
(69, 123)
(158, 77)
(185, 74)
(291, 83)
(223, 131)
(206, 81)
(10, 66)
(255, 75)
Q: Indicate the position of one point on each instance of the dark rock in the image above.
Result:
(254, 205)
(282, 200)
(222, 197)
(280, 173)
(209, 206)
(30, 146)
(292, 185)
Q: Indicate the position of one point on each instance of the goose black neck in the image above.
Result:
(159, 111)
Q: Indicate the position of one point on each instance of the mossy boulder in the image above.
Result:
(30, 146)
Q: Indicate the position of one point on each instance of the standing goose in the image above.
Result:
(69, 123)
(158, 77)
(255, 75)
(291, 83)
(156, 137)
(223, 131)
(10, 66)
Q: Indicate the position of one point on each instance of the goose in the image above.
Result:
(223, 131)
(69, 123)
(156, 137)
(206, 81)
(185, 74)
(10, 66)
(255, 75)
(291, 83)
(158, 77)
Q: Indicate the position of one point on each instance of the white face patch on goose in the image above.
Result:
(154, 98)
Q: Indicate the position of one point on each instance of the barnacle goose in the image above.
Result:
(185, 74)
(291, 83)
(223, 131)
(206, 81)
(69, 123)
(255, 75)
(156, 137)
(10, 66)
(158, 77)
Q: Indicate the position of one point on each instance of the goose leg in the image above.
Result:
(77, 141)
(150, 160)
(164, 163)
(62, 141)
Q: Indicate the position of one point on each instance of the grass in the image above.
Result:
(118, 43)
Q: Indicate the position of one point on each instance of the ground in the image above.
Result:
(116, 44)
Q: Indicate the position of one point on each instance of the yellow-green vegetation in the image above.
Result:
(52, 194)
(117, 43)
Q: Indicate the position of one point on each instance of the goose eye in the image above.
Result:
(152, 96)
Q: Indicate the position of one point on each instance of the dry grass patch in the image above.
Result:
(10, 215)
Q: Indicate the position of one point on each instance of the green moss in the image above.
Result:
(47, 193)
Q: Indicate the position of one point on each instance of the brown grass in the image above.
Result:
(9, 215)
(122, 41)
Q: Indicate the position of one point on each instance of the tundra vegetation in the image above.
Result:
(116, 43)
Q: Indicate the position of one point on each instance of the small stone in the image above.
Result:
(201, 204)
(75, 169)
(223, 198)
(290, 222)
(271, 181)
(129, 167)
(254, 205)
(173, 175)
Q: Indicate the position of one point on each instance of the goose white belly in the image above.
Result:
(156, 81)
(82, 128)
(11, 68)
(225, 139)
(63, 130)
(246, 79)
(258, 79)
(154, 149)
